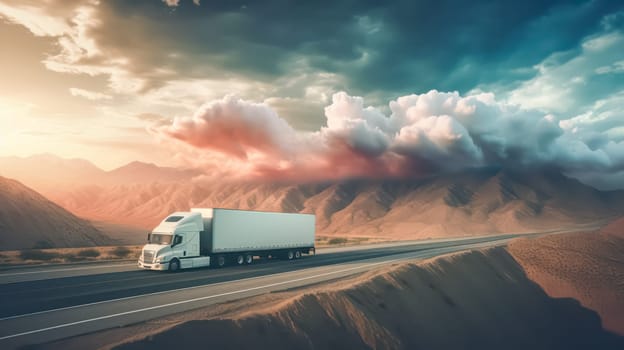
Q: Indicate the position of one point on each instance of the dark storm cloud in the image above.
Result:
(375, 48)
(400, 46)
(449, 46)
(220, 39)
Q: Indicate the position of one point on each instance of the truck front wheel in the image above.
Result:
(174, 265)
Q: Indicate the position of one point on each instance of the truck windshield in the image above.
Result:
(158, 238)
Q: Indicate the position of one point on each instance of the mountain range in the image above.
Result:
(50, 174)
(479, 201)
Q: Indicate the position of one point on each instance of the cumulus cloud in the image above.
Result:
(234, 127)
(422, 134)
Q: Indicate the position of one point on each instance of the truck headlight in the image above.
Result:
(159, 259)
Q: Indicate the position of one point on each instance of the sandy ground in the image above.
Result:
(501, 298)
(588, 267)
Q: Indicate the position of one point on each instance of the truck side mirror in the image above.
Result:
(149, 235)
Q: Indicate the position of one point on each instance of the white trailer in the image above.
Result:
(215, 236)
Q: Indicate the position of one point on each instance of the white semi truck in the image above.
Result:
(214, 236)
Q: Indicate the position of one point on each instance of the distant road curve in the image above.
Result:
(42, 304)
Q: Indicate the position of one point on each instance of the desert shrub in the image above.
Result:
(42, 245)
(120, 252)
(73, 257)
(89, 253)
(36, 254)
(337, 240)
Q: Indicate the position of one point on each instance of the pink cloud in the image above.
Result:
(424, 134)
(234, 127)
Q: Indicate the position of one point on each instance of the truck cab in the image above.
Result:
(174, 243)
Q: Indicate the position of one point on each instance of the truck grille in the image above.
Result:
(148, 256)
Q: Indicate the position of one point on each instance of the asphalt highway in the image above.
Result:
(41, 304)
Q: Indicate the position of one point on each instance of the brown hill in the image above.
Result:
(474, 202)
(27, 219)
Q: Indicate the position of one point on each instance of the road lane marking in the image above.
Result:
(465, 246)
(196, 299)
(59, 270)
(157, 293)
(166, 291)
(443, 249)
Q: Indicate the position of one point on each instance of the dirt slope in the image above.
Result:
(28, 219)
(615, 228)
(586, 266)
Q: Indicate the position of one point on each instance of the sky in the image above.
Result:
(317, 89)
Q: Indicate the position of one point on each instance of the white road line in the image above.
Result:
(68, 269)
(155, 293)
(195, 299)
(468, 246)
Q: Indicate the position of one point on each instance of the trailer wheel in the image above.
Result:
(174, 265)
(221, 260)
(248, 259)
(240, 259)
(290, 255)
(297, 254)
